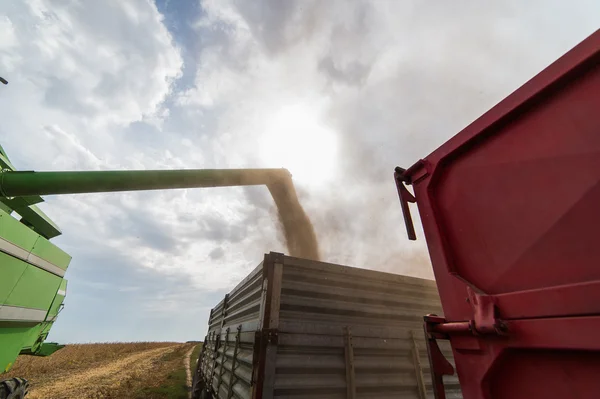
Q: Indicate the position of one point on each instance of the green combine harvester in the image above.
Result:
(32, 269)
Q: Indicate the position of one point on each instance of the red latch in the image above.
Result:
(485, 320)
(405, 197)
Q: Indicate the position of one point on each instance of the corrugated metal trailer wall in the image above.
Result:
(229, 347)
(318, 330)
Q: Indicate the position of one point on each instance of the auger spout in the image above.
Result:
(299, 232)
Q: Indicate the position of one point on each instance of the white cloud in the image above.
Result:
(86, 68)
(8, 38)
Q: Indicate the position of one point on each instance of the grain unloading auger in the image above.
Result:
(24, 188)
(32, 269)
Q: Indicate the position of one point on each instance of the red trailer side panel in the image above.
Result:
(511, 212)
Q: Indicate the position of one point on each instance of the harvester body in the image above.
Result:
(32, 284)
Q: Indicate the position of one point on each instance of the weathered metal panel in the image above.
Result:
(303, 329)
(351, 333)
(230, 343)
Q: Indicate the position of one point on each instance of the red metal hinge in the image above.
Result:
(485, 320)
(483, 323)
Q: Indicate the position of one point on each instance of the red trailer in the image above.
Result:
(510, 208)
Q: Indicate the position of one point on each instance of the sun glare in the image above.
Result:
(295, 139)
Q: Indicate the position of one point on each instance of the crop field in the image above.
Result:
(153, 370)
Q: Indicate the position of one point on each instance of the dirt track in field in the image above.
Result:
(98, 382)
(188, 371)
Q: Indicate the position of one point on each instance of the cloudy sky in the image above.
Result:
(338, 92)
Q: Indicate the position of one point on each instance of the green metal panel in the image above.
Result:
(18, 202)
(32, 336)
(5, 208)
(44, 331)
(15, 203)
(38, 220)
(31, 214)
(13, 338)
(34, 216)
(58, 300)
(33, 339)
(16, 232)
(46, 349)
(11, 270)
(36, 289)
(55, 307)
(4, 161)
(50, 252)
(28, 241)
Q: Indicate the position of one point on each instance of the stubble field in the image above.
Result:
(152, 370)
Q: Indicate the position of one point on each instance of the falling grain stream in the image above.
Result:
(298, 230)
